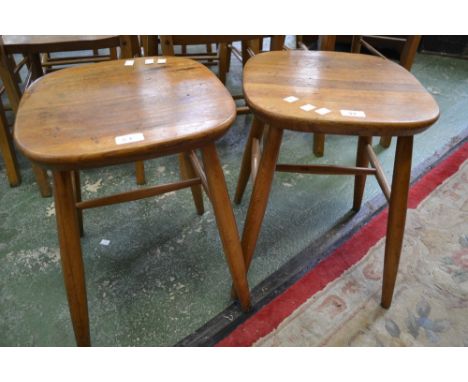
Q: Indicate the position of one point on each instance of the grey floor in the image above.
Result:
(163, 275)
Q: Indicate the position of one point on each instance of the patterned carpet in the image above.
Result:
(338, 302)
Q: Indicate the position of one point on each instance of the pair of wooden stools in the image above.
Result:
(126, 111)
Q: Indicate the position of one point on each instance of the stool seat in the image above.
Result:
(392, 100)
(110, 113)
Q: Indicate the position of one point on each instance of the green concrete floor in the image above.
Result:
(163, 274)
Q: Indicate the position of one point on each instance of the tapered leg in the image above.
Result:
(140, 172)
(396, 216)
(260, 193)
(77, 191)
(187, 172)
(255, 133)
(42, 180)
(319, 144)
(70, 254)
(226, 224)
(385, 141)
(8, 152)
(362, 160)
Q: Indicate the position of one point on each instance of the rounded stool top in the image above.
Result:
(337, 93)
(108, 113)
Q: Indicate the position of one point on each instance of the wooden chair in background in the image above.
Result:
(32, 47)
(327, 43)
(250, 46)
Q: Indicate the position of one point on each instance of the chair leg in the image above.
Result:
(70, 254)
(223, 63)
(362, 160)
(228, 58)
(260, 193)
(226, 223)
(319, 144)
(385, 142)
(256, 132)
(187, 172)
(42, 180)
(8, 152)
(396, 216)
(77, 192)
(140, 173)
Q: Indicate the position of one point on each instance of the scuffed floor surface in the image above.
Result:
(163, 274)
(430, 305)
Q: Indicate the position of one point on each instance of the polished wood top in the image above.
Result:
(46, 43)
(71, 118)
(391, 98)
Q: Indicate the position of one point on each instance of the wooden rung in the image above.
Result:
(74, 60)
(20, 65)
(239, 96)
(372, 49)
(243, 110)
(236, 52)
(379, 174)
(302, 46)
(197, 166)
(388, 38)
(256, 156)
(198, 57)
(210, 56)
(325, 169)
(250, 52)
(137, 194)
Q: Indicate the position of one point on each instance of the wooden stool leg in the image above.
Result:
(70, 254)
(319, 144)
(42, 180)
(77, 192)
(362, 160)
(140, 172)
(226, 224)
(396, 216)
(187, 172)
(385, 141)
(256, 131)
(8, 152)
(260, 193)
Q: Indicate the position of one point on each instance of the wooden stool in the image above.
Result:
(33, 46)
(125, 114)
(347, 94)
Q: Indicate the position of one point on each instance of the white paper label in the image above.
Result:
(307, 107)
(149, 61)
(129, 62)
(323, 111)
(161, 60)
(353, 113)
(290, 99)
(105, 242)
(129, 138)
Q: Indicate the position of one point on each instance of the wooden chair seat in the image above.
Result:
(177, 103)
(394, 102)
